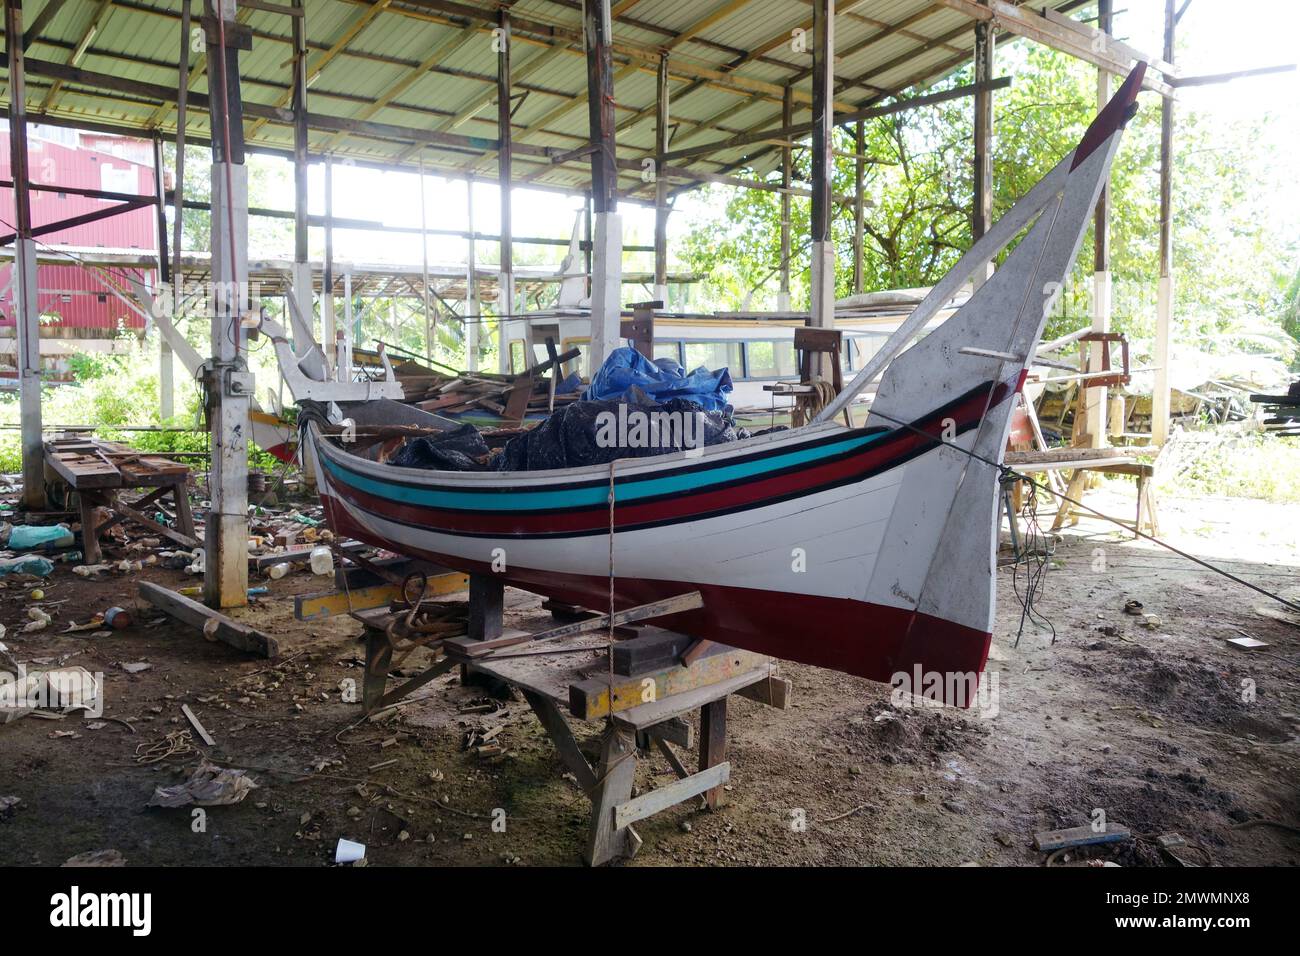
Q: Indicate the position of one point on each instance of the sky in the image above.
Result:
(1216, 36)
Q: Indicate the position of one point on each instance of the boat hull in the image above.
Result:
(783, 538)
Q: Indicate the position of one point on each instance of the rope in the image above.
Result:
(609, 643)
(808, 406)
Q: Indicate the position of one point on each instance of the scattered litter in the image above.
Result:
(32, 564)
(8, 805)
(197, 725)
(136, 667)
(39, 620)
(1247, 643)
(1133, 607)
(209, 786)
(349, 852)
(90, 570)
(1050, 840)
(117, 618)
(27, 537)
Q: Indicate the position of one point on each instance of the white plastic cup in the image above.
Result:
(349, 852)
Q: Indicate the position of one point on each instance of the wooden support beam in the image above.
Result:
(98, 19)
(227, 384)
(713, 743)
(1078, 39)
(823, 248)
(27, 309)
(1165, 290)
(607, 264)
(710, 780)
(37, 26)
(349, 33)
(982, 203)
(214, 625)
(648, 699)
(787, 120)
(662, 90)
(859, 209)
(505, 153)
(1095, 398)
(482, 647)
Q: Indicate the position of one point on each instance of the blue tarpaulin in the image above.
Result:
(660, 380)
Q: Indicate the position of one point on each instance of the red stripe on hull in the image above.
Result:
(874, 641)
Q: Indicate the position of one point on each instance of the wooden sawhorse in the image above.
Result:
(658, 678)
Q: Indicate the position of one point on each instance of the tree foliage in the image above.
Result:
(1231, 270)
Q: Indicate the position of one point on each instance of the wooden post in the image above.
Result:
(787, 120)
(486, 607)
(424, 268)
(859, 210)
(228, 382)
(506, 282)
(607, 264)
(301, 277)
(27, 312)
(823, 105)
(166, 380)
(472, 309)
(327, 328)
(178, 191)
(713, 744)
(982, 202)
(661, 182)
(1095, 398)
(1165, 293)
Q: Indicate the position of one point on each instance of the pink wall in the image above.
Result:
(75, 294)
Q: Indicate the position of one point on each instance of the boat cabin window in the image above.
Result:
(713, 356)
(770, 359)
(517, 363)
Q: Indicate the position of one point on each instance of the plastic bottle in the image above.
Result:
(277, 571)
(322, 561)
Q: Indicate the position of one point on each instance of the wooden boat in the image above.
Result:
(868, 550)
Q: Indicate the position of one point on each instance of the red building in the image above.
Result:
(78, 310)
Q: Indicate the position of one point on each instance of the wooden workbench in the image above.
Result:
(100, 471)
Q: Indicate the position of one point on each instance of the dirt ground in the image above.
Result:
(1151, 722)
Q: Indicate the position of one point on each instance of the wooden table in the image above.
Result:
(99, 471)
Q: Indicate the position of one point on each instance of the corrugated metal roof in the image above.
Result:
(727, 72)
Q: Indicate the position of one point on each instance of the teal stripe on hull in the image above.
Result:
(593, 495)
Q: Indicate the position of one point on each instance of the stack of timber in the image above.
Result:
(511, 397)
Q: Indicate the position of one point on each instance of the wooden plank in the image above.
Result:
(590, 699)
(615, 774)
(774, 691)
(1050, 840)
(557, 728)
(713, 745)
(661, 798)
(198, 726)
(674, 730)
(642, 612)
(322, 604)
(486, 608)
(184, 540)
(674, 705)
(214, 625)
